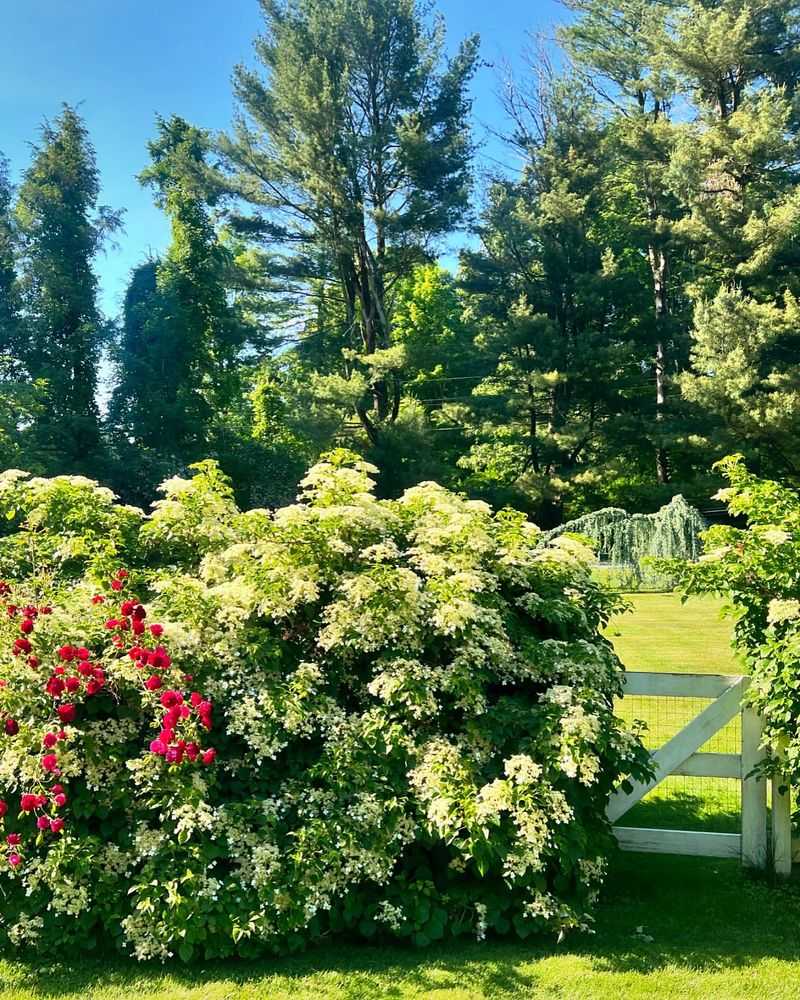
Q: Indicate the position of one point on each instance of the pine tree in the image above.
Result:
(62, 229)
(9, 289)
(177, 361)
(355, 152)
(618, 46)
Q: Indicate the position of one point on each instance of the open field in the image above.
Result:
(668, 927)
(663, 634)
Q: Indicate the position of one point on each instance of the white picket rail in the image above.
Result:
(681, 755)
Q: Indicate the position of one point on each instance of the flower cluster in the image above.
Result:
(379, 717)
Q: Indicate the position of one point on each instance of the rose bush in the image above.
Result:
(226, 732)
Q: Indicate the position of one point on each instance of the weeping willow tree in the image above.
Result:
(624, 539)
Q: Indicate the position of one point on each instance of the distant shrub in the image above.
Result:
(225, 732)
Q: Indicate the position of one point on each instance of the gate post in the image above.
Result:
(754, 794)
(781, 823)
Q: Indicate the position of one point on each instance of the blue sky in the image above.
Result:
(125, 61)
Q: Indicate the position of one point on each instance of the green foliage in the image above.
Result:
(61, 231)
(624, 539)
(757, 568)
(354, 151)
(373, 718)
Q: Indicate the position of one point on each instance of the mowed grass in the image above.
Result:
(661, 633)
(667, 927)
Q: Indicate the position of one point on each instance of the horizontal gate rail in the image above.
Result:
(692, 842)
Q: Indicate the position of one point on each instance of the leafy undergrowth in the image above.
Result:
(668, 927)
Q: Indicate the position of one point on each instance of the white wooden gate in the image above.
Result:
(681, 755)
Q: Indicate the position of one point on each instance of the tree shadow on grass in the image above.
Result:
(698, 914)
(678, 810)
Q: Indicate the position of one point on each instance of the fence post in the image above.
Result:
(781, 823)
(754, 794)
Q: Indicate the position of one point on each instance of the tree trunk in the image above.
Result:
(658, 267)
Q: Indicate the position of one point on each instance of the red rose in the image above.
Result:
(13, 839)
(72, 684)
(57, 789)
(14, 860)
(156, 630)
(98, 599)
(82, 653)
(22, 645)
(85, 669)
(45, 610)
(50, 740)
(67, 653)
(159, 747)
(139, 613)
(153, 683)
(159, 658)
(54, 687)
(67, 713)
(127, 606)
(209, 755)
(26, 625)
(28, 802)
(43, 823)
(170, 698)
(192, 751)
(116, 585)
(122, 574)
(50, 762)
(33, 661)
(137, 626)
(174, 755)
(60, 800)
(3, 808)
(11, 727)
(56, 825)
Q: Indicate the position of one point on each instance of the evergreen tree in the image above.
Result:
(177, 358)
(62, 229)
(617, 45)
(355, 151)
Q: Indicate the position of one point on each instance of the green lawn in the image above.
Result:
(663, 634)
(667, 927)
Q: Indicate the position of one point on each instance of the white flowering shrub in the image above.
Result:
(226, 732)
(757, 568)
